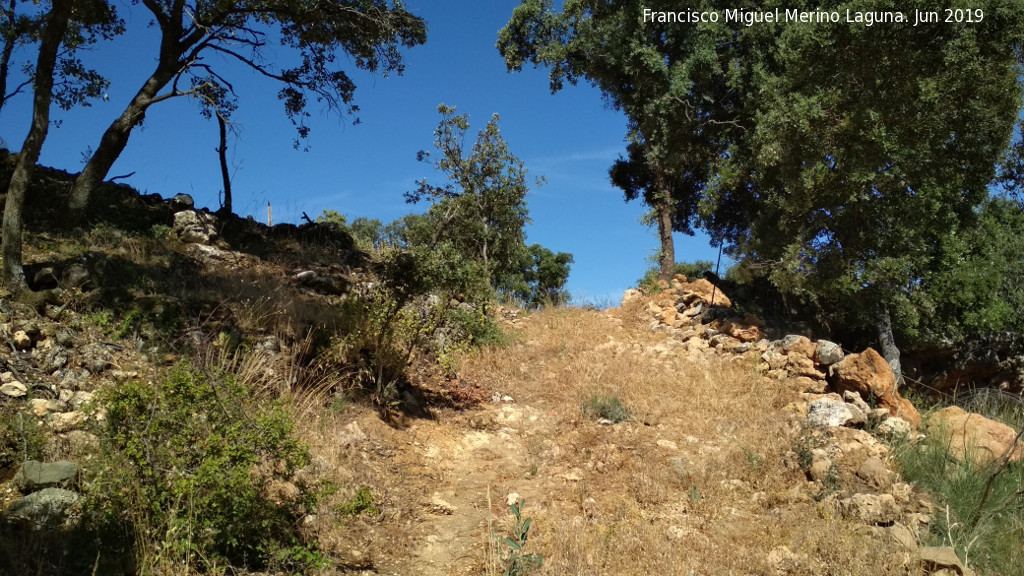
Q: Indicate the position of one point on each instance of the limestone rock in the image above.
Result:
(903, 536)
(195, 227)
(871, 509)
(704, 292)
(893, 428)
(746, 330)
(798, 345)
(936, 558)
(181, 202)
(65, 421)
(631, 295)
(827, 412)
(874, 472)
(34, 475)
(973, 435)
(828, 353)
(869, 374)
(22, 340)
(46, 507)
(14, 389)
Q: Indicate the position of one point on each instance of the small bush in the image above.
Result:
(606, 407)
(188, 467)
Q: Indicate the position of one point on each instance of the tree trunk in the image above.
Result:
(115, 138)
(888, 344)
(10, 39)
(667, 257)
(222, 151)
(53, 35)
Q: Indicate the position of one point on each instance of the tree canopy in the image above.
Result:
(371, 33)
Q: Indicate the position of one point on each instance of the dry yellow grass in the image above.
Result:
(700, 481)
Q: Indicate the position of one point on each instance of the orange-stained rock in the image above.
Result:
(663, 283)
(968, 433)
(799, 345)
(681, 278)
(868, 373)
(703, 291)
(746, 330)
(668, 315)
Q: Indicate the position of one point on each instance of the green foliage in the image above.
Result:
(606, 407)
(188, 463)
(516, 561)
(979, 510)
(976, 292)
(20, 437)
(380, 334)
(161, 231)
(471, 240)
(362, 501)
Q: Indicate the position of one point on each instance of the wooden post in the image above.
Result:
(270, 221)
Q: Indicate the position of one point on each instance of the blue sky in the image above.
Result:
(570, 138)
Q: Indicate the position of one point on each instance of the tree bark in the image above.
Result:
(667, 256)
(115, 139)
(887, 343)
(10, 39)
(222, 151)
(53, 36)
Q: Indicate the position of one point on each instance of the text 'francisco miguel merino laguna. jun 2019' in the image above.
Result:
(782, 16)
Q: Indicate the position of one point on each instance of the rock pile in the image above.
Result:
(700, 316)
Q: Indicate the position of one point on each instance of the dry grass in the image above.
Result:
(699, 482)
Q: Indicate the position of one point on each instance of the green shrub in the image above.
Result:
(187, 469)
(606, 407)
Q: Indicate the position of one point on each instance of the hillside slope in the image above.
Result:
(704, 478)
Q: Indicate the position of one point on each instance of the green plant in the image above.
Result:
(103, 319)
(514, 559)
(20, 438)
(188, 466)
(980, 508)
(361, 501)
(130, 324)
(754, 460)
(160, 231)
(606, 407)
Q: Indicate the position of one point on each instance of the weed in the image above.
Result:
(130, 324)
(606, 407)
(514, 559)
(694, 496)
(103, 319)
(361, 501)
(754, 460)
(160, 231)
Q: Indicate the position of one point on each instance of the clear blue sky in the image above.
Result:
(570, 138)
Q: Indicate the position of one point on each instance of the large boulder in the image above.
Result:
(44, 508)
(870, 375)
(195, 227)
(35, 475)
(705, 292)
(972, 435)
